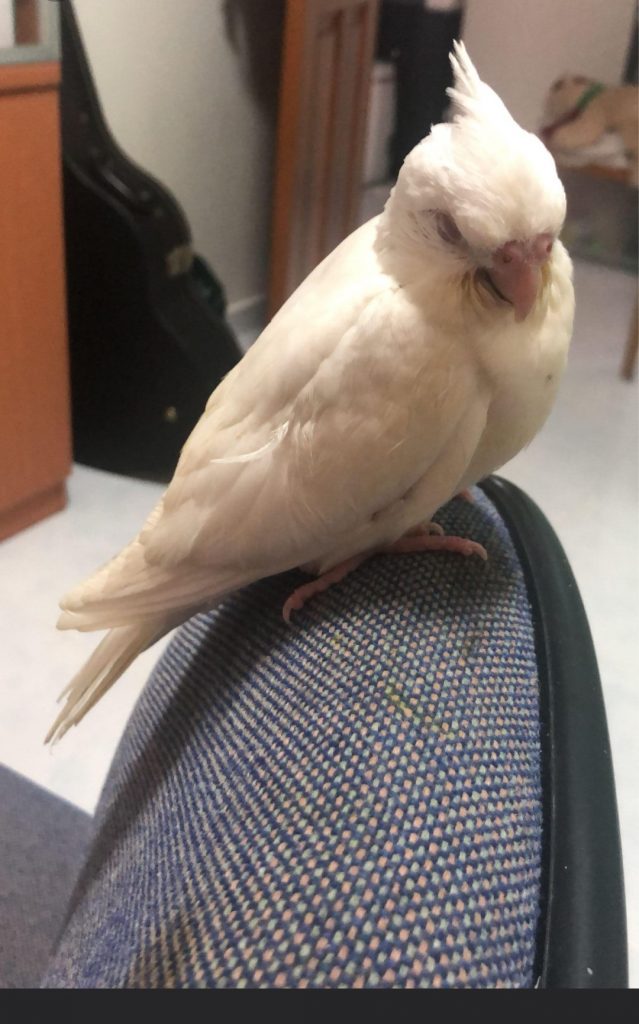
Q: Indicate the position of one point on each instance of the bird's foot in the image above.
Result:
(427, 537)
(302, 594)
(438, 542)
(426, 528)
(467, 495)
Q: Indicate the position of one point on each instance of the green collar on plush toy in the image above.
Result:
(587, 96)
(594, 89)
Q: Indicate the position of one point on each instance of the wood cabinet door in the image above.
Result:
(326, 64)
(35, 428)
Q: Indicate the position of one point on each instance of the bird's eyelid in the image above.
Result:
(446, 227)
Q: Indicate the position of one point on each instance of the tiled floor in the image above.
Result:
(582, 471)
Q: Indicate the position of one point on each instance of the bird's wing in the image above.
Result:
(302, 441)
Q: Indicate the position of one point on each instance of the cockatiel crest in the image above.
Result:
(481, 180)
(421, 355)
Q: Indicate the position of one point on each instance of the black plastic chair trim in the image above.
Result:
(582, 930)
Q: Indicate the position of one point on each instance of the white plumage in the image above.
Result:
(418, 357)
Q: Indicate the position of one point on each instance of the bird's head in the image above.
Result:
(479, 198)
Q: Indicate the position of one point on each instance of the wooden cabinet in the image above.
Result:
(35, 432)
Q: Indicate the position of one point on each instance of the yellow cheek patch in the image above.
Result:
(546, 276)
(476, 294)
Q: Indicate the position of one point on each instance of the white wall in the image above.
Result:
(197, 110)
(521, 46)
(6, 23)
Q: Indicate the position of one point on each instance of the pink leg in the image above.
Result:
(299, 597)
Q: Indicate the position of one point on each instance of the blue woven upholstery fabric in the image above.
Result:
(43, 842)
(350, 801)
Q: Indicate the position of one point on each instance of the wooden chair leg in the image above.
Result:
(629, 361)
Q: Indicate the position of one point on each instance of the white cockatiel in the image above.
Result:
(423, 353)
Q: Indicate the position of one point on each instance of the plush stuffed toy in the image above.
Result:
(582, 115)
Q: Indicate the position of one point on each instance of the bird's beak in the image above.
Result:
(516, 272)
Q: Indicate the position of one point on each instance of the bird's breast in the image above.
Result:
(521, 401)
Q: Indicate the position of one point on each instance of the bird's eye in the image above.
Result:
(446, 227)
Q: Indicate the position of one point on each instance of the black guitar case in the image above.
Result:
(148, 339)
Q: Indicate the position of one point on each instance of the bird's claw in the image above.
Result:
(302, 594)
(425, 529)
(467, 495)
(437, 542)
(294, 603)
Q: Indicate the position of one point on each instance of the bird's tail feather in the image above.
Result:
(110, 659)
